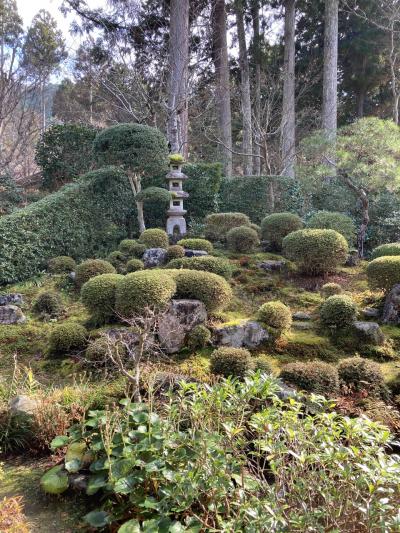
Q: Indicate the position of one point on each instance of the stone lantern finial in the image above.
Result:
(176, 223)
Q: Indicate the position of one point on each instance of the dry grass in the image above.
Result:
(12, 518)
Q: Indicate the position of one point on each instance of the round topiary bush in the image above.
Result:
(67, 338)
(316, 251)
(154, 238)
(48, 303)
(98, 296)
(234, 362)
(242, 239)
(338, 312)
(256, 228)
(331, 289)
(118, 260)
(133, 265)
(339, 222)
(91, 268)
(145, 289)
(384, 272)
(216, 265)
(61, 264)
(261, 364)
(218, 224)
(360, 374)
(393, 248)
(198, 337)
(175, 252)
(314, 376)
(276, 316)
(197, 244)
(275, 227)
(132, 249)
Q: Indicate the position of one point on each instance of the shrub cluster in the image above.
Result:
(61, 264)
(226, 361)
(154, 238)
(338, 312)
(98, 296)
(67, 338)
(384, 272)
(360, 374)
(217, 265)
(313, 376)
(91, 268)
(339, 222)
(48, 303)
(175, 251)
(316, 251)
(197, 244)
(275, 315)
(131, 248)
(261, 364)
(331, 289)
(198, 337)
(118, 260)
(392, 248)
(218, 224)
(242, 239)
(275, 227)
(133, 265)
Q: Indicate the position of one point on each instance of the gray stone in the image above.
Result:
(370, 332)
(11, 314)
(391, 310)
(195, 253)
(285, 392)
(302, 325)
(246, 334)
(370, 312)
(176, 322)
(13, 298)
(72, 276)
(154, 257)
(272, 265)
(23, 405)
(301, 316)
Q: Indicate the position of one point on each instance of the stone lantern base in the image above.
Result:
(176, 225)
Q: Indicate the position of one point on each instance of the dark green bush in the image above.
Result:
(197, 244)
(262, 364)
(275, 315)
(242, 239)
(218, 224)
(339, 222)
(61, 264)
(316, 251)
(338, 312)
(98, 296)
(118, 260)
(275, 227)
(331, 289)
(48, 303)
(384, 272)
(133, 265)
(10, 197)
(313, 376)
(234, 362)
(360, 374)
(392, 248)
(154, 238)
(67, 338)
(256, 228)
(175, 252)
(217, 265)
(198, 337)
(91, 268)
(131, 248)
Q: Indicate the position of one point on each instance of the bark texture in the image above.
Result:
(255, 14)
(329, 102)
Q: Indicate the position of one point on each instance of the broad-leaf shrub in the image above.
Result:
(313, 376)
(384, 272)
(154, 238)
(338, 312)
(218, 224)
(217, 265)
(98, 296)
(91, 268)
(392, 248)
(275, 227)
(339, 222)
(197, 244)
(242, 239)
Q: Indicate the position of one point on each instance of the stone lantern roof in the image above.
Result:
(176, 174)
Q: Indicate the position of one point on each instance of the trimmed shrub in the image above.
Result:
(197, 244)
(175, 252)
(133, 265)
(154, 238)
(217, 265)
(384, 272)
(360, 374)
(118, 260)
(226, 361)
(256, 228)
(48, 303)
(339, 222)
(67, 338)
(316, 251)
(275, 227)
(61, 264)
(98, 296)
(313, 376)
(218, 224)
(131, 248)
(338, 312)
(275, 315)
(261, 364)
(392, 248)
(198, 337)
(242, 239)
(331, 289)
(91, 268)
(140, 290)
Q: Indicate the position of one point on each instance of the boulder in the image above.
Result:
(13, 298)
(301, 316)
(272, 265)
(176, 322)
(391, 310)
(370, 332)
(23, 405)
(154, 257)
(370, 312)
(11, 314)
(195, 253)
(246, 334)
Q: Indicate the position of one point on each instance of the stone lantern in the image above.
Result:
(176, 223)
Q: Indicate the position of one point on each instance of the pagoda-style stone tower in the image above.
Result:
(176, 223)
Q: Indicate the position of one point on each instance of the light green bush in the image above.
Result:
(61, 264)
(339, 222)
(217, 265)
(331, 289)
(384, 272)
(98, 296)
(154, 238)
(91, 268)
(242, 239)
(275, 227)
(132, 249)
(392, 248)
(118, 261)
(67, 338)
(338, 312)
(313, 376)
(226, 361)
(275, 315)
(133, 265)
(175, 252)
(197, 244)
(218, 224)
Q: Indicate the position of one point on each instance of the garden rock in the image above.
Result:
(301, 316)
(302, 325)
(370, 312)
(180, 318)
(370, 332)
(195, 253)
(391, 310)
(272, 265)
(23, 405)
(13, 298)
(247, 334)
(11, 314)
(154, 257)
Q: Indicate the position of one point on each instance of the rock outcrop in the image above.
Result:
(154, 257)
(246, 334)
(11, 314)
(370, 332)
(391, 310)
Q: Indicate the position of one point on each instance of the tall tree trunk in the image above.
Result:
(394, 74)
(288, 126)
(177, 120)
(247, 145)
(255, 14)
(223, 91)
(329, 102)
(360, 102)
(135, 181)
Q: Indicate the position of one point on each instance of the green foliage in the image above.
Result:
(98, 296)
(218, 224)
(331, 289)
(217, 265)
(197, 244)
(338, 312)
(316, 251)
(176, 159)
(154, 238)
(133, 265)
(384, 272)
(275, 315)
(242, 239)
(383, 250)
(117, 259)
(153, 194)
(198, 338)
(48, 303)
(256, 228)
(64, 152)
(261, 363)
(360, 374)
(314, 376)
(131, 248)
(91, 268)
(339, 222)
(226, 361)
(61, 264)
(55, 480)
(67, 338)
(275, 227)
(138, 291)
(175, 251)
(10, 194)
(203, 187)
